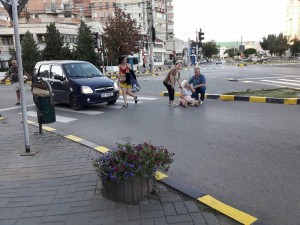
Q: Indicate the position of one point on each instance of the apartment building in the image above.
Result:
(67, 14)
(292, 19)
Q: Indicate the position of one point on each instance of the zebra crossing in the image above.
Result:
(287, 81)
(59, 110)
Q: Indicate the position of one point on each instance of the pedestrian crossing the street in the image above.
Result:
(289, 81)
(59, 110)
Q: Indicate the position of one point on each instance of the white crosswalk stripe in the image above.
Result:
(280, 81)
(64, 119)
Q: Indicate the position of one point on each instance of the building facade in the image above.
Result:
(67, 14)
(292, 19)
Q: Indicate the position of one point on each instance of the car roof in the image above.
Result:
(62, 61)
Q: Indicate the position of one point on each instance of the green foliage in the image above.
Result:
(54, 43)
(30, 52)
(249, 51)
(13, 55)
(210, 48)
(121, 36)
(130, 160)
(295, 47)
(231, 52)
(275, 44)
(66, 52)
(85, 48)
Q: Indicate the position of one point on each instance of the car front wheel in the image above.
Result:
(112, 102)
(74, 102)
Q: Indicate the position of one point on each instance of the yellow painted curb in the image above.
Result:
(73, 138)
(235, 214)
(257, 99)
(48, 128)
(101, 149)
(30, 122)
(160, 176)
(2, 118)
(290, 101)
(227, 97)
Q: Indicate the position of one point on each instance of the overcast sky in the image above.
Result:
(228, 20)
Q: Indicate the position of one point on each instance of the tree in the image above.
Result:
(30, 52)
(231, 52)
(121, 36)
(12, 53)
(66, 52)
(295, 47)
(210, 48)
(54, 43)
(85, 47)
(249, 51)
(275, 44)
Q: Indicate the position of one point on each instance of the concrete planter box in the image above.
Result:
(129, 191)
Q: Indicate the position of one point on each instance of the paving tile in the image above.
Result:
(198, 219)
(78, 219)
(210, 219)
(180, 208)
(169, 209)
(191, 206)
(179, 219)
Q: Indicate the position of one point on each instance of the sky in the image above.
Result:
(231, 20)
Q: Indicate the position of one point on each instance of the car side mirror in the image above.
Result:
(57, 77)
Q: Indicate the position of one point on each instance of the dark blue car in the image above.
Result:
(78, 83)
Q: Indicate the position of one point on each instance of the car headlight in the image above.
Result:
(86, 90)
(116, 86)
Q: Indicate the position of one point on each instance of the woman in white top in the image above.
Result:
(186, 94)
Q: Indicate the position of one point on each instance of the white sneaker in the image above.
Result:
(200, 102)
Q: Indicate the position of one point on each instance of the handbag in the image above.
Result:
(122, 78)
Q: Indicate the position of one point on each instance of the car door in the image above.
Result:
(59, 83)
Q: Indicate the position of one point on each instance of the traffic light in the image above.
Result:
(95, 40)
(201, 36)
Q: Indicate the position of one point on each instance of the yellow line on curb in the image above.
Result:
(160, 176)
(257, 99)
(290, 101)
(30, 122)
(227, 97)
(235, 214)
(48, 128)
(101, 149)
(73, 138)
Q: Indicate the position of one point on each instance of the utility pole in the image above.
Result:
(151, 34)
(20, 75)
(197, 48)
(188, 58)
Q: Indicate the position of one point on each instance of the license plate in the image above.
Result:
(107, 94)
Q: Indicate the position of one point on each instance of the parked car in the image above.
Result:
(218, 61)
(78, 83)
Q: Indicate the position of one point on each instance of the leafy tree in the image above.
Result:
(12, 53)
(275, 44)
(66, 52)
(85, 45)
(210, 48)
(231, 52)
(249, 51)
(121, 36)
(295, 47)
(54, 43)
(30, 52)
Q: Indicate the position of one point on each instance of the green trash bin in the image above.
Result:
(45, 110)
(44, 101)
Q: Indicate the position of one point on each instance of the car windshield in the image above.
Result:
(81, 70)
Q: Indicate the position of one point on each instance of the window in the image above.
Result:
(93, 5)
(6, 40)
(95, 15)
(67, 7)
(107, 5)
(56, 71)
(157, 57)
(100, 5)
(44, 71)
(40, 39)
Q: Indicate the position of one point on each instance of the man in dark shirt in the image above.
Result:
(13, 75)
(199, 84)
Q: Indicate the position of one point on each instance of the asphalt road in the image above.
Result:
(244, 154)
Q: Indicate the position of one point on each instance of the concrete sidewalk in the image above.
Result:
(59, 186)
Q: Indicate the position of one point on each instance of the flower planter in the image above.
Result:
(128, 191)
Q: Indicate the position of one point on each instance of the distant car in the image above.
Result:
(76, 82)
(218, 61)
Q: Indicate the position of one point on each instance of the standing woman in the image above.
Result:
(124, 80)
(169, 81)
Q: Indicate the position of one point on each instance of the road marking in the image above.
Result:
(61, 119)
(279, 82)
(16, 107)
(88, 112)
(264, 83)
(290, 80)
(143, 98)
(260, 78)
